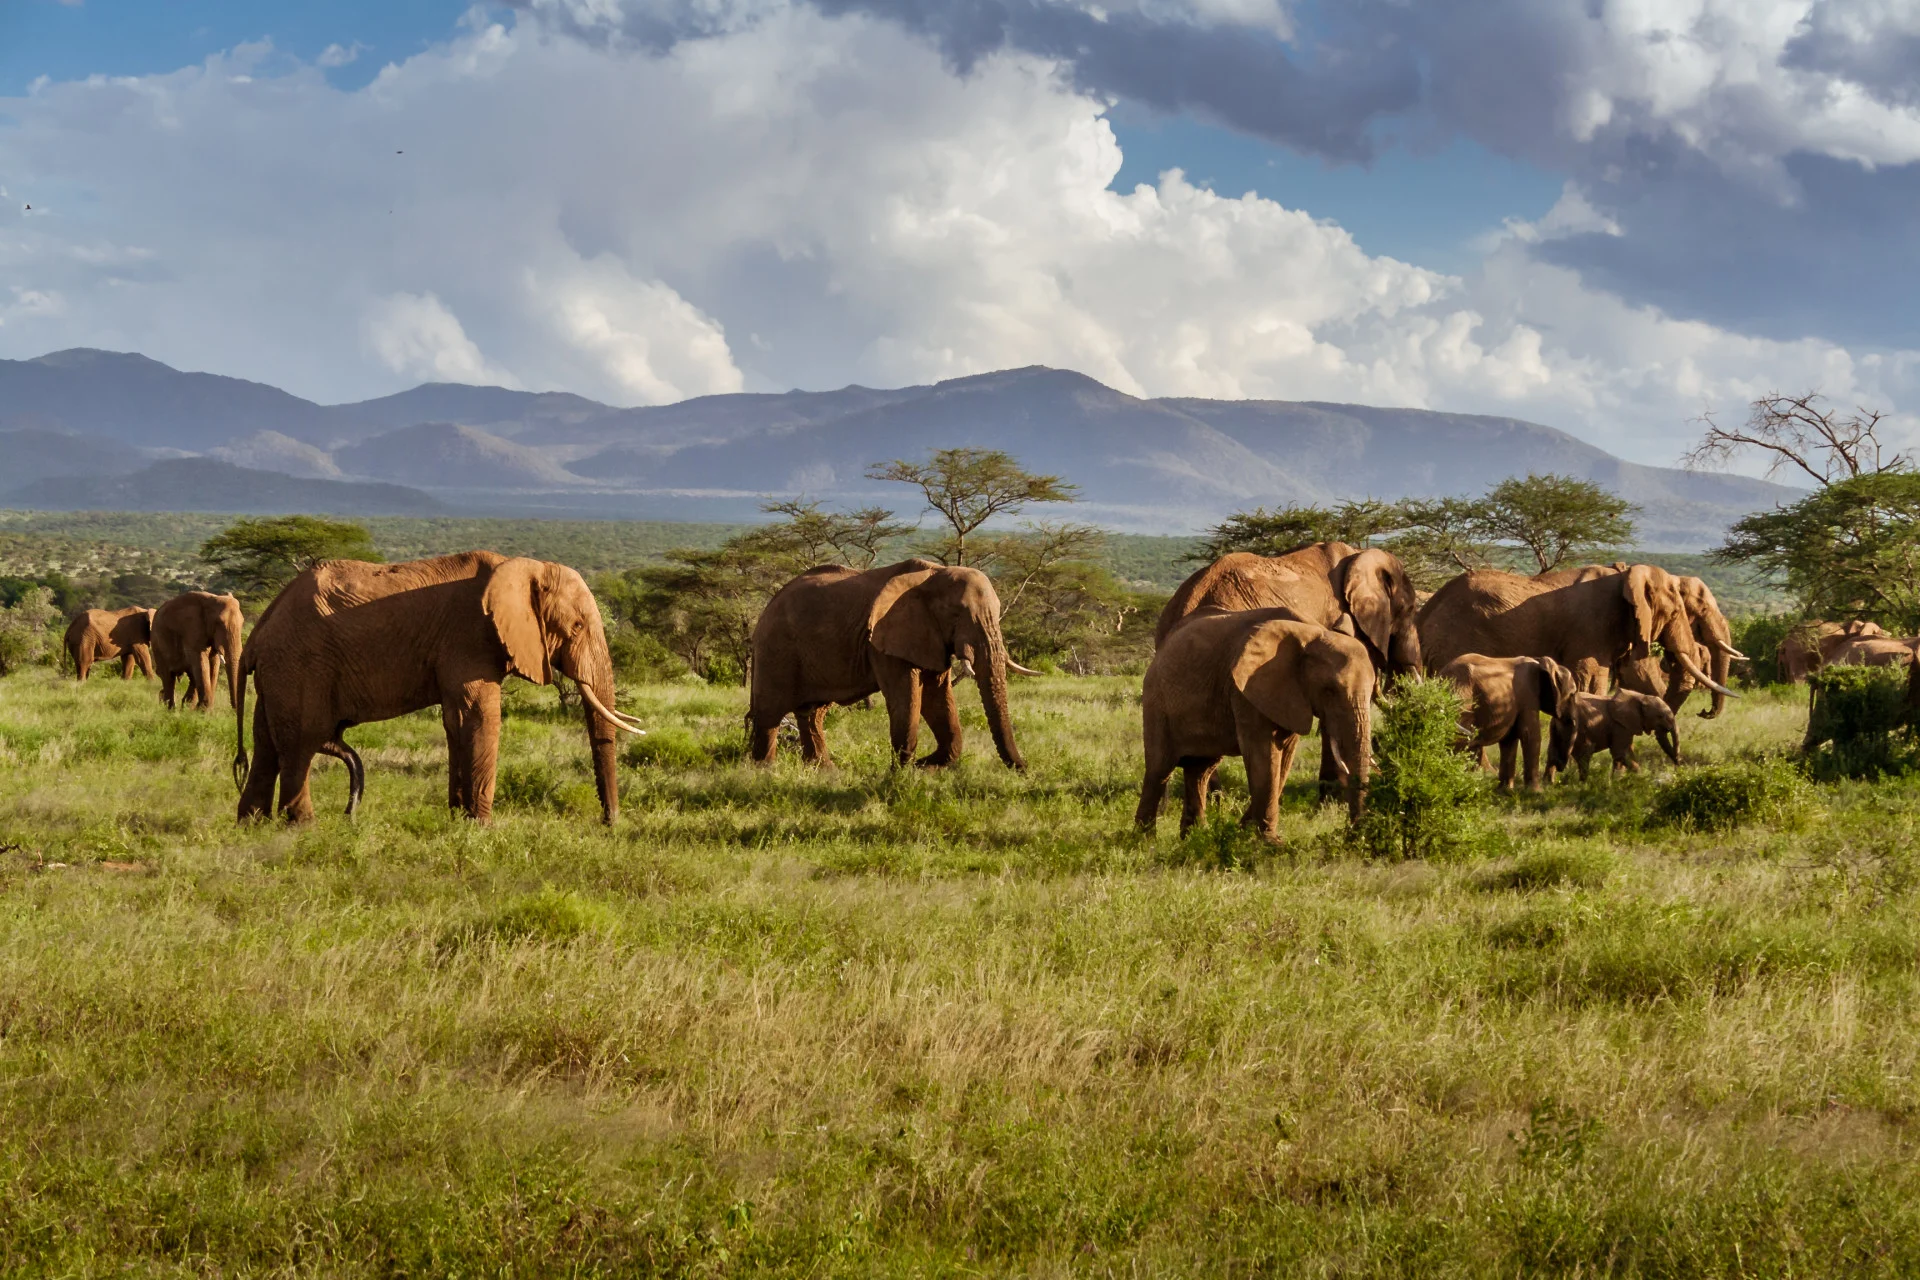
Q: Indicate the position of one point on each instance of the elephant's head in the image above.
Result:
(1558, 690)
(1374, 588)
(548, 622)
(1657, 609)
(1642, 713)
(1715, 638)
(928, 615)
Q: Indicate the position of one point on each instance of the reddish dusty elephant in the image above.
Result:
(192, 635)
(100, 635)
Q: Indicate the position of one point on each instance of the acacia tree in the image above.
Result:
(1553, 519)
(257, 557)
(853, 538)
(969, 487)
(1794, 434)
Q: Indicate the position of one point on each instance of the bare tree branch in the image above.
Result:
(1797, 434)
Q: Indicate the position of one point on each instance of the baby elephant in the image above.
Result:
(1611, 724)
(1249, 684)
(1505, 698)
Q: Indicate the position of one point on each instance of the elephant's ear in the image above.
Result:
(1269, 669)
(1368, 591)
(1567, 689)
(1637, 585)
(511, 603)
(1629, 714)
(902, 624)
(1547, 672)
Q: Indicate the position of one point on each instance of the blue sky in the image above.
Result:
(1603, 215)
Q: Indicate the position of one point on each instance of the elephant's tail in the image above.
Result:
(238, 694)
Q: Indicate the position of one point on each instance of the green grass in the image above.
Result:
(865, 1023)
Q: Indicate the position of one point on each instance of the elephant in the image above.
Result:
(1611, 724)
(1711, 632)
(1505, 699)
(1362, 592)
(98, 635)
(1811, 645)
(835, 635)
(1874, 651)
(1590, 621)
(347, 642)
(1249, 683)
(192, 635)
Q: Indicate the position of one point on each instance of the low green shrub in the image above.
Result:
(532, 784)
(1758, 635)
(1219, 843)
(1859, 724)
(1724, 796)
(669, 747)
(1427, 800)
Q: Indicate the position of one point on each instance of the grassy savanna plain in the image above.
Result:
(866, 1023)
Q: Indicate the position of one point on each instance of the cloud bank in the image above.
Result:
(641, 203)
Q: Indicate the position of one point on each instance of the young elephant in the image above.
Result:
(1249, 684)
(1611, 724)
(1505, 699)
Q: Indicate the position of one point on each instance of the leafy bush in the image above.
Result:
(1427, 800)
(1724, 796)
(530, 785)
(1758, 636)
(28, 631)
(1859, 724)
(1220, 843)
(639, 657)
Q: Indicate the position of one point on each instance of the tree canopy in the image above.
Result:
(1533, 524)
(1848, 550)
(968, 487)
(256, 557)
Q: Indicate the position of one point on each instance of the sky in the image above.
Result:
(1611, 216)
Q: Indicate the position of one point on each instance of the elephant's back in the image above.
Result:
(1242, 581)
(1464, 615)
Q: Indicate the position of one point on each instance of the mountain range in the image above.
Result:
(99, 429)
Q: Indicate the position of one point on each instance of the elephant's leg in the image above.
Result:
(143, 655)
(942, 714)
(1622, 753)
(167, 679)
(1509, 750)
(296, 782)
(454, 718)
(763, 732)
(200, 675)
(1583, 756)
(126, 665)
(1160, 764)
(256, 795)
(900, 686)
(1530, 749)
(813, 735)
(1197, 774)
(1260, 748)
(480, 720)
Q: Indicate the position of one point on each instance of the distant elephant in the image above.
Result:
(835, 635)
(1611, 724)
(1809, 646)
(99, 635)
(1874, 651)
(348, 642)
(1505, 699)
(192, 635)
(1249, 684)
(1590, 624)
(1361, 592)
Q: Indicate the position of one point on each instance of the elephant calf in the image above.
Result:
(1249, 684)
(1505, 699)
(1611, 724)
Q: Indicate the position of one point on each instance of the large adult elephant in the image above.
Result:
(1711, 632)
(1810, 646)
(1590, 623)
(835, 635)
(1363, 592)
(100, 635)
(192, 635)
(1875, 651)
(1249, 684)
(348, 642)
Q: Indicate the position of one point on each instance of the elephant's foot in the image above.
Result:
(938, 760)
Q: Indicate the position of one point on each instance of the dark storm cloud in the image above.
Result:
(1841, 41)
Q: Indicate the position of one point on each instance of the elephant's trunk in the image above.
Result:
(603, 728)
(993, 698)
(1720, 653)
(230, 650)
(1669, 741)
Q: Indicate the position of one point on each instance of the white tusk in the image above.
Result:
(1017, 669)
(1705, 679)
(1732, 652)
(966, 669)
(618, 721)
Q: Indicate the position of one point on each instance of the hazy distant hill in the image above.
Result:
(449, 456)
(202, 484)
(1170, 465)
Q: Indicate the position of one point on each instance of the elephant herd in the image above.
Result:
(1251, 652)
